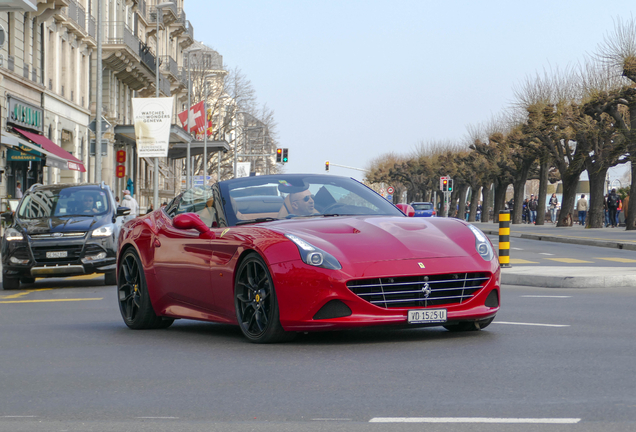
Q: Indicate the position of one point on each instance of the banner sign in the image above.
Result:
(24, 114)
(153, 117)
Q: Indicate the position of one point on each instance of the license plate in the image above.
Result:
(62, 254)
(427, 316)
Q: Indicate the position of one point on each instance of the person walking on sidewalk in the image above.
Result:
(581, 206)
(612, 206)
(554, 202)
(533, 205)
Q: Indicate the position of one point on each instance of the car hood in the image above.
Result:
(364, 239)
(62, 224)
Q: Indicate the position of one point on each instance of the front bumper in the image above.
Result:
(302, 291)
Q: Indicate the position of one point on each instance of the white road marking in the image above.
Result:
(331, 419)
(545, 296)
(531, 324)
(473, 420)
(160, 418)
(516, 248)
(19, 416)
(545, 253)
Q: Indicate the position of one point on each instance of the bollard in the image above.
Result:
(504, 238)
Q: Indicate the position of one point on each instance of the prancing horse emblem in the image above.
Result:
(426, 289)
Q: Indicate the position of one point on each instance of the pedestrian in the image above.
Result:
(618, 211)
(150, 209)
(117, 201)
(131, 203)
(18, 190)
(612, 206)
(581, 207)
(554, 203)
(533, 204)
(606, 212)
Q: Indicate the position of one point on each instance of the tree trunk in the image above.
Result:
(569, 197)
(474, 201)
(596, 209)
(485, 210)
(630, 221)
(461, 208)
(500, 197)
(543, 190)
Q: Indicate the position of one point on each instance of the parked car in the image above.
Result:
(291, 253)
(61, 230)
(424, 209)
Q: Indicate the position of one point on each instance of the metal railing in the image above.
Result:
(152, 15)
(92, 27)
(75, 12)
(142, 9)
(118, 33)
(169, 65)
(147, 57)
(164, 85)
(189, 30)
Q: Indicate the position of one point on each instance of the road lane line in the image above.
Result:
(521, 261)
(20, 294)
(531, 324)
(621, 260)
(51, 300)
(473, 420)
(545, 296)
(160, 418)
(545, 253)
(571, 260)
(331, 419)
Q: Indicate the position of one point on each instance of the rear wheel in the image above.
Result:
(134, 300)
(256, 303)
(469, 325)
(10, 283)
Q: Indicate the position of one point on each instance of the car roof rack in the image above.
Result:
(33, 186)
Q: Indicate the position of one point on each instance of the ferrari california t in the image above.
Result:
(291, 253)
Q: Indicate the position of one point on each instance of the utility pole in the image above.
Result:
(98, 98)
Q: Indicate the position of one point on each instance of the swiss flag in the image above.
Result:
(196, 122)
(199, 134)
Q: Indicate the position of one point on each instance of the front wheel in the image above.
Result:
(134, 300)
(256, 304)
(10, 283)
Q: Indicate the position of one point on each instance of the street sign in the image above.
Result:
(120, 171)
(390, 190)
(382, 191)
(105, 125)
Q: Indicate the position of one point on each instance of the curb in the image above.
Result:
(562, 277)
(569, 240)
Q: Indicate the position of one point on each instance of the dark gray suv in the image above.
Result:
(61, 230)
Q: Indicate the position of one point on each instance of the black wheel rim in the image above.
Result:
(129, 288)
(253, 298)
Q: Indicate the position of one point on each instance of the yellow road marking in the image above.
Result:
(571, 260)
(51, 300)
(521, 261)
(623, 260)
(578, 237)
(90, 276)
(23, 293)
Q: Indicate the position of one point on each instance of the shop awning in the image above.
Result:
(48, 147)
(18, 142)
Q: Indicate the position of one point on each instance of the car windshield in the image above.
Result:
(422, 206)
(287, 196)
(72, 201)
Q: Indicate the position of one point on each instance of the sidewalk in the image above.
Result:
(569, 277)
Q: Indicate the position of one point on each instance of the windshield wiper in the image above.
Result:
(265, 219)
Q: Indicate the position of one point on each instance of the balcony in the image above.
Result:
(74, 18)
(142, 9)
(147, 57)
(123, 53)
(170, 67)
(170, 14)
(187, 36)
(91, 28)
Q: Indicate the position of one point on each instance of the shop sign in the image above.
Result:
(16, 155)
(25, 115)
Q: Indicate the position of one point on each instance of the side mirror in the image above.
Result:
(193, 221)
(123, 211)
(7, 216)
(406, 209)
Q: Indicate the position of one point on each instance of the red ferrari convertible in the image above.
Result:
(286, 253)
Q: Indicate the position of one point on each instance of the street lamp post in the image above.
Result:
(188, 169)
(159, 8)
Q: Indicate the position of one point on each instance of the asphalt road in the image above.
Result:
(69, 363)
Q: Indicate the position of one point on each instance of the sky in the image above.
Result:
(351, 81)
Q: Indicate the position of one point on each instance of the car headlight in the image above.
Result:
(483, 246)
(105, 231)
(13, 234)
(314, 256)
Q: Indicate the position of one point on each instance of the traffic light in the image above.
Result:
(450, 185)
(279, 155)
(285, 155)
(327, 166)
(444, 185)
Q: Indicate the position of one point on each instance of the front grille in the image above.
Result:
(57, 235)
(419, 291)
(74, 252)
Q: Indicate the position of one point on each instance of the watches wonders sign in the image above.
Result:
(24, 114)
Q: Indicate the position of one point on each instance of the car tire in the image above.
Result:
(27, 280)
(9, 283)
(134, 301)
(110, 278)
(256, 303)
(469, 325)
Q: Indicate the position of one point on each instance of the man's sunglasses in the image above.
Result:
(306, 198)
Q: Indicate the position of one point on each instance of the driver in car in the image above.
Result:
(88, 205)
(302, 203)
